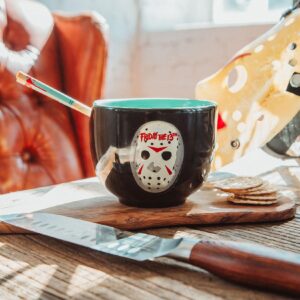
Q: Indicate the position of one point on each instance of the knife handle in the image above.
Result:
(249, 264)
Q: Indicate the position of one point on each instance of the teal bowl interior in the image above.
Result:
(154, 103)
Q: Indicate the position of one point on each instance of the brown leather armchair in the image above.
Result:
(43, 142)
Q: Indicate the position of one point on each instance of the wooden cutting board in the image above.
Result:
(88, 200)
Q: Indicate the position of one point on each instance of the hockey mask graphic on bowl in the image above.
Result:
(158, 154)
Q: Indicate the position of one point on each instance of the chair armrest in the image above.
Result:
(82, 46)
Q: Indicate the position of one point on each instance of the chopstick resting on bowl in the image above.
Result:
(52, 93)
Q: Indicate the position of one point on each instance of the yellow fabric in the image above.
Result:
(251, 91)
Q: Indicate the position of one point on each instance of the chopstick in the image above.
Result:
(52, 93)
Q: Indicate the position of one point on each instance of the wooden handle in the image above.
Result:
(249, 264)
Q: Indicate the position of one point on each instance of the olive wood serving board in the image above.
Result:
(88, 200)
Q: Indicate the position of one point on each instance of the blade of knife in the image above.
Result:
(248, 264)
(138, 246)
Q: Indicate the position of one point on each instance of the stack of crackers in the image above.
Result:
(248, 190)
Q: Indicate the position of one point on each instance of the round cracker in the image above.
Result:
(269, 192)
(258, 197)
(254, 189)
(251, 202)
(264, 189)
(238, 183)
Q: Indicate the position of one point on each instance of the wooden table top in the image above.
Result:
(38, 267)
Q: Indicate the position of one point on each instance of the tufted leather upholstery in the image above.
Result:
(41, 141)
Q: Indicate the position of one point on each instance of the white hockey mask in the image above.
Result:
(157, 156)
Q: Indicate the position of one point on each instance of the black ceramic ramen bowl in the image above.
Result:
(152, 152)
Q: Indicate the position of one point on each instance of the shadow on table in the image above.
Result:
(118, 277)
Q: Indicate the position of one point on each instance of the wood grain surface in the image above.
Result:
(203, 207)
(37, 267)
